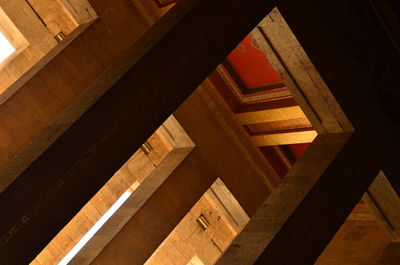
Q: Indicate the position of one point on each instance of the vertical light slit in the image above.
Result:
(85, 239)
(6, 48)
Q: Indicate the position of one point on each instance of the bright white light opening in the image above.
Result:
(195, 261)
(95, 228)
(6, 48)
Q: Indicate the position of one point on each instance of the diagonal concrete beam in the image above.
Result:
(360, 65)
(155, 76)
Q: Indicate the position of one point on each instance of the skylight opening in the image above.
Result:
(6, 48)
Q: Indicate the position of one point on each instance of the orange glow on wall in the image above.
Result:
(298, 149)
(252, 65)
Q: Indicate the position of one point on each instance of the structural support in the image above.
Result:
(63, 179)
(140, 177)
(384, 203)
(391, 255)
(222, 150)
(284, 138)
(270, 115)
(298, 219)
(360, 66)
(357, 62)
